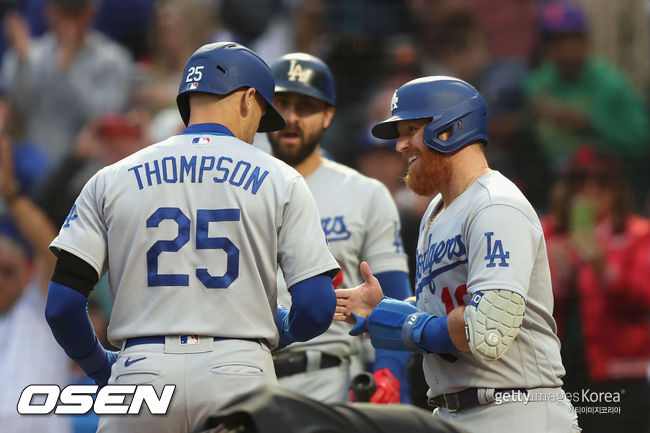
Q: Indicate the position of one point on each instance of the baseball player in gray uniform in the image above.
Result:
(483, 312)
(192, 231)
(360, 221)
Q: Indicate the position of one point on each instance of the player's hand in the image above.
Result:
(387, 387)
(359, 300)
(101, 377)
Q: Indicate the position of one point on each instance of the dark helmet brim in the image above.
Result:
(272, 120)
(305, 90)
(387, 129)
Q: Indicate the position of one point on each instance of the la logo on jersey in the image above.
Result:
(496, 252)
(296, 72)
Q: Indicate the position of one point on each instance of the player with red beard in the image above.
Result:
(484, 302)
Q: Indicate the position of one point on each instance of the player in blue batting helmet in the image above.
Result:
(305, 74)
(223, 67)
(452, 105)
(480, 253)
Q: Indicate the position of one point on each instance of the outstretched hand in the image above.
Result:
(360, 300)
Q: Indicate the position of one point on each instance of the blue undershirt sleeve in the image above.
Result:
(313, 303)
(66, 312)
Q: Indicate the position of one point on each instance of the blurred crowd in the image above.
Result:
(83, 83)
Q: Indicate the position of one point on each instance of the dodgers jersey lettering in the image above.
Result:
(192, 231)
(361, 222)
(488, 238)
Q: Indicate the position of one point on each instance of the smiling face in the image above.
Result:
(427, 169)
(306, 119)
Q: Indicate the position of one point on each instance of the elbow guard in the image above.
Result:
(492, 322)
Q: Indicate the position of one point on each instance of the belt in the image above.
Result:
(294, 363)
(161, 340)
(467, 398)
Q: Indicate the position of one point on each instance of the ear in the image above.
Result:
(246, 102)
(328, 116)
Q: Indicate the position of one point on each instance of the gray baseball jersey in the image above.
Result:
(488, 238)
(361, 222)
(192, 230)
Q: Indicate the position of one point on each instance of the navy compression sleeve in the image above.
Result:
(313, 303)
(66, 312)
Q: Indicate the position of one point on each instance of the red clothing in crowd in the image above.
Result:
(614, 303)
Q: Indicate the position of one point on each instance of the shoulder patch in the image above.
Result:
(496, 252)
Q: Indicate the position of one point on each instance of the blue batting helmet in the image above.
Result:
(305, 74)
(223, 67)
(450, 103)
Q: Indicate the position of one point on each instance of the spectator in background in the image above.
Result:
(29, 353)
(6, 6)
(30, 161)
(64, 78)
(127, 22)
(267, 31)
(178, 28)
(508, 26)
(462, 50)
(399, 63)
(620, 32)
(105, 140)
(596, 248)
(577, 98)
(124, 21)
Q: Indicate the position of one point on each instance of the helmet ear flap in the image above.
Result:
(438, 137)
(468, 126)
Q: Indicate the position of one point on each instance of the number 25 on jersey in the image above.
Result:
(203, 218)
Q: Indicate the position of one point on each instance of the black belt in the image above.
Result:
(467, 398)
(294, 363)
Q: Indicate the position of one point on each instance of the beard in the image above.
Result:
(294, 156)
(433, 170)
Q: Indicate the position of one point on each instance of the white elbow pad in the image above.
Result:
(492, 322)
